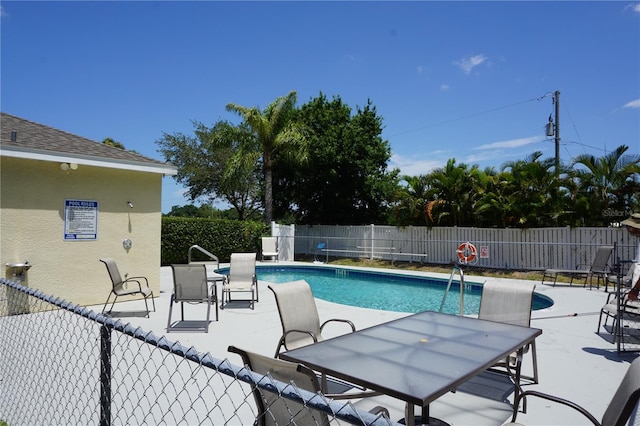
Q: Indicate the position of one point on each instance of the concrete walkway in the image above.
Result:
(574, 362)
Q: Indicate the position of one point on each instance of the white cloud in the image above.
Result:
(513, 143)
(488, 155)
(468, 64)
(633, 104)
(444, 87)
(483, 157)
(419, 69)
(414, 166)
(2, 12)
(634, 6)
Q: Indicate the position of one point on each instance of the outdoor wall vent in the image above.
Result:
(14, 136)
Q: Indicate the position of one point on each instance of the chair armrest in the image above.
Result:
(313, 336)
(623, 293)
(353, 327)
(379, 409)
(137, 281)
(612, 296)
(553, 399)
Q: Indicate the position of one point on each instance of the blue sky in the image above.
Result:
(464, 80)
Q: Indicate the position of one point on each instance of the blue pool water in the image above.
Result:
(381, 290)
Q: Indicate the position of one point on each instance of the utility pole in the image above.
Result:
(553, 129)
(556, 100)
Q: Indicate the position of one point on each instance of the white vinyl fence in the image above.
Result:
(511, 249)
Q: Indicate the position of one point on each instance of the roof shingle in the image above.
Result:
(25, 135)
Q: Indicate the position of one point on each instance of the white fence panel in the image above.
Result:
(286, 240)
(524, 249)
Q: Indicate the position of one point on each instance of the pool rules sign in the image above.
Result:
(80, 220)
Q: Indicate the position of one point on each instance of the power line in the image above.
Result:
(566, 142)
(453, 120)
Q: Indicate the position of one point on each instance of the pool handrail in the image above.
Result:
(213, 257)
(446, 292)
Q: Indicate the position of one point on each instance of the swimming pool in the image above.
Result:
(383, 290)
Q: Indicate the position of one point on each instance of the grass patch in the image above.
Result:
(445, 269)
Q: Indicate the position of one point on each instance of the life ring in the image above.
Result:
(466, 252)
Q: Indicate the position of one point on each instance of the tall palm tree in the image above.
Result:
(275, 131)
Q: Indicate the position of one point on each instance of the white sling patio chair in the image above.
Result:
(131, 286)
(241, 279)
(628, 279)
(190, 286)
(510, 303)
(273, 408)
(628, 311)
(598, 268)
(618, 411)
(299, 315)
(270, 248)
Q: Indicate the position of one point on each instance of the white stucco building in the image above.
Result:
(67, 201)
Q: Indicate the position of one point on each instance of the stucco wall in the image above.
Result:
(32, 201)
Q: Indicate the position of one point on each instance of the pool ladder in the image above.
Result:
(462, 287)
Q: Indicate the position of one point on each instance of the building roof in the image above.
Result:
(26, 139)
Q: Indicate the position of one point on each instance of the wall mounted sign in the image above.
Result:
(80, 220)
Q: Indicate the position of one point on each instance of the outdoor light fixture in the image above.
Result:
(68, 166)
(130, 204)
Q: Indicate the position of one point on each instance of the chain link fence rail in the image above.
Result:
(65, 364)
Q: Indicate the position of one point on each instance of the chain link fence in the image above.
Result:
(64, 364)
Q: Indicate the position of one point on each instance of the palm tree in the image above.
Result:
(535, 188)
(453, 192)
(275, 131)
(610, 182)
(410, 206)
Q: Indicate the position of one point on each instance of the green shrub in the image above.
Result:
(220, 237)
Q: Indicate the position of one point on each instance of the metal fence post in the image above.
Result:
(105, 375)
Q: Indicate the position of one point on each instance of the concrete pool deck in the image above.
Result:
(574, 362)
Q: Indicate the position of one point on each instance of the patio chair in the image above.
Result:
(510, 304)
(598, 268)
(130, 286)
(627, 280)
(275, 409)
(299, 315)
(619, 409)
(190, 285)
(270, 248)
(629, 309)
(241, 279)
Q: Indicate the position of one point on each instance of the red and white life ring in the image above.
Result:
(466, 253)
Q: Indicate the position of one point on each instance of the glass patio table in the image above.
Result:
(417, 358)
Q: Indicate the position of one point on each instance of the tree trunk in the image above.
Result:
(268, 189)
